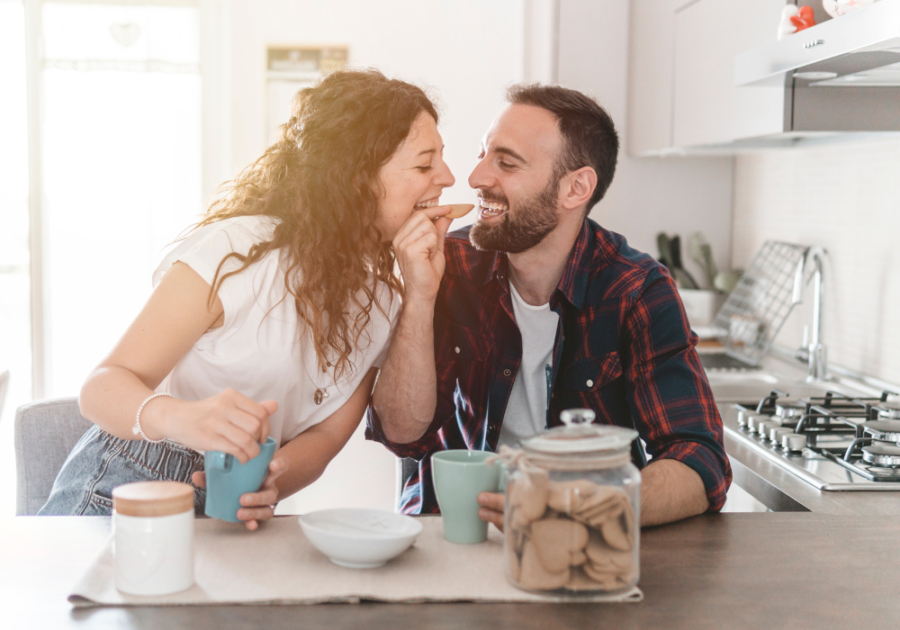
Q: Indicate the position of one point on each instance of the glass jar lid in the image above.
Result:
(579, 435)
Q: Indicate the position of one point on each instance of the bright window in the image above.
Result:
(121, 153)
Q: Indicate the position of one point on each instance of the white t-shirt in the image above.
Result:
(526, 410)
(259, 351)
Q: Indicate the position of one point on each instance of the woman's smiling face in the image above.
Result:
(414, 177)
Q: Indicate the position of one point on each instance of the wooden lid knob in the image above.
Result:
(153, 498)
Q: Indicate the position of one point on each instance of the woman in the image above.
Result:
(272, 316)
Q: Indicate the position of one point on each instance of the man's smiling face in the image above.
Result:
(517, 177)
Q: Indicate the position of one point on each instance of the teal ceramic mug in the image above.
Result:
(459, 477)
(227, 480)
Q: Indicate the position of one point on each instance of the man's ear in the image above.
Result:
(577, 187)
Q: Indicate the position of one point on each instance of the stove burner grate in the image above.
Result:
(882, 454)
(889, 410)
(883, 430)
(830, 422)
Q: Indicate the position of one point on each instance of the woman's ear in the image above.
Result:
(577, 187)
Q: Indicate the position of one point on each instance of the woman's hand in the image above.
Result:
(256, 506)
(228, 422)
(419, 248)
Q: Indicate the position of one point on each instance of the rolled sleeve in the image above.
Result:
(374, 431)
(671, 401)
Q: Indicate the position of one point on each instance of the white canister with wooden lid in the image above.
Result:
(153, 523)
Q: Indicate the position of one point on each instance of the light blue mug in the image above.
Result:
(459, 476)
(227, 480)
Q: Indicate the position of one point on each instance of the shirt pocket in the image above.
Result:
(592, 374)
(467, 344)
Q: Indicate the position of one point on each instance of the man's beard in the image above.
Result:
(516, 232)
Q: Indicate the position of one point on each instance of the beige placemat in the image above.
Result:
(277, 565)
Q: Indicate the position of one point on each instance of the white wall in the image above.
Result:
(467, 51)
(678, 195)
(845, 197)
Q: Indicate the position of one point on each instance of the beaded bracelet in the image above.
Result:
(137, 429)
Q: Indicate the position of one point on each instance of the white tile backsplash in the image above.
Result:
(845, 197)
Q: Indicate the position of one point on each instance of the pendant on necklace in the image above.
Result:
(319, 396)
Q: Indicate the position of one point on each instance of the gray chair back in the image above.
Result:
(4, 387)
(45, 432)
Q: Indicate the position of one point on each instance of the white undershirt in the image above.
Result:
(526, 411)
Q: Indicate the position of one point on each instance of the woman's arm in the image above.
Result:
(303, 460)
(174, 318)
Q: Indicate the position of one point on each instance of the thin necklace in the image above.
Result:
(321, 393)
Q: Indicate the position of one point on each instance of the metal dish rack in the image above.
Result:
(762, 300)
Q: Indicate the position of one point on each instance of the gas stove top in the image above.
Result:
(834, 442)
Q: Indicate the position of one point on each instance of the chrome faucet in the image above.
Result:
(813, 351)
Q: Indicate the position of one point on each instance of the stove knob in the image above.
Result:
(753, 422)
(743, 416)
(793, 442)
(776, 433)
(762, 428)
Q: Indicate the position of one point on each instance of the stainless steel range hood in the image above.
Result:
(840, 76)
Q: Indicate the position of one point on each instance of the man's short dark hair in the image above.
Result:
(588, 131)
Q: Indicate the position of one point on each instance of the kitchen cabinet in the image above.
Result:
(707, 108)
(652, 39)
(682, 96)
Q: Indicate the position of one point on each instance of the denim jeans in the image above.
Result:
(100, 462)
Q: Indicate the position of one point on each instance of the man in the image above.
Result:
(537, 309)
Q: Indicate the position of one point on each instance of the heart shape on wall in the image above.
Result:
(125, 34)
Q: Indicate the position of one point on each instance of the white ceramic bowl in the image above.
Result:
(360, 539)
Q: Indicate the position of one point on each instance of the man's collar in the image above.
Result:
(574, 281)
(496, 266)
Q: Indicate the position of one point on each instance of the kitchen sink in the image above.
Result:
(753, 386)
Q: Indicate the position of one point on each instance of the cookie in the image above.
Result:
(568, 496)
(603, 498)
(608, 581)
(555, 539)
(534, 575)
(603, 557)
(459, 210)
(577, 558)
(528, 494)
(580, 581)
(615, 534)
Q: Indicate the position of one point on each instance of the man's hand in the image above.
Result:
(419, 248)
(491, 508)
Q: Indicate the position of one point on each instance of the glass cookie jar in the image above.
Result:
(572, 517)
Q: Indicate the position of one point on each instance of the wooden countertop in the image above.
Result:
(758, 570)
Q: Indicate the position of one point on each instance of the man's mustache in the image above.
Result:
(488, 196)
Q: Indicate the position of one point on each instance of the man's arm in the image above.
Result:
(673, 408)
(670, 491)
(405, 395)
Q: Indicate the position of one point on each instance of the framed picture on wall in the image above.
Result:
(291, 68)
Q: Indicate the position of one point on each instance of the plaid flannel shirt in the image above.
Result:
(623, 348)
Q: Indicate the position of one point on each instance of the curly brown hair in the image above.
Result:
(321, 180)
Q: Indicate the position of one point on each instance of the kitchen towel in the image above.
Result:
(278, 565)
